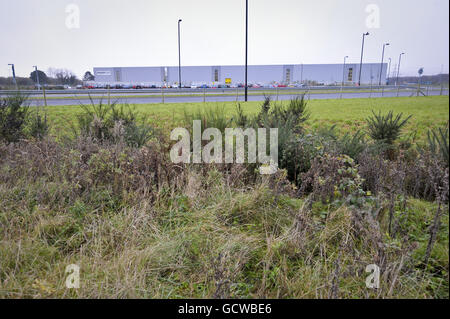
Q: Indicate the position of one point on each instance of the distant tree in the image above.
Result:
(42, 77)
(21, 81)
(88, 76)
(64, 76)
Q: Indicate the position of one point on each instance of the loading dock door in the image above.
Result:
(118, 75)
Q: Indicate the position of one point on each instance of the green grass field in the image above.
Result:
(346, 114)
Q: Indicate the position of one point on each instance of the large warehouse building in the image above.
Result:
(235, 74)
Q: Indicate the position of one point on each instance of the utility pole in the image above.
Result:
(14, 75)
(37, 77)
(246, 50)
(362, 53)
(343, 75)
(179, 54)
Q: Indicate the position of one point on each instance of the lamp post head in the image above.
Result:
(387, 44)
(179, 20)
(367, 33)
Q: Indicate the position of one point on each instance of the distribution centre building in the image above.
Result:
(235, 74)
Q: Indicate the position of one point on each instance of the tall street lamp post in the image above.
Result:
(362, 53)
(398, 72)
(398, 69)
(246, 50)
(14, 75)
(179, 54)
(382, 60)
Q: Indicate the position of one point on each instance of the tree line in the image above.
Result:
(52, 77)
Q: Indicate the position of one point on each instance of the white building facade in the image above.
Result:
(326, 74)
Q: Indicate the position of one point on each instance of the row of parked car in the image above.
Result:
(95, 85)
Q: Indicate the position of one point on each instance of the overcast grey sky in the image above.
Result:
(144, 33)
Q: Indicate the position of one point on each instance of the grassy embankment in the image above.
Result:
(199, 232)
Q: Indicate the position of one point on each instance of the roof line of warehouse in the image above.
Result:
(238, 65)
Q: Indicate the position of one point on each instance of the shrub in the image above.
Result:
(287, 117)
(13, 116)
(299, 152)
(214, 117)
(137, 135)
(438, 143)
(240, 118)
(38, 125)
(352, 144)
(112, 122)
(333, 177)
(386, 128)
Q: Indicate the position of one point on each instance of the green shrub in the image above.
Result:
(352, 144)
(240, 118)
(438, 143)
(38, 125)
(386, 128)
(288, 118)
(214, 117)
(112, 122)
(13, 116)
(137, 135)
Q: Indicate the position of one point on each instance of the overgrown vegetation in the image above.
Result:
(112, 122)
(17, 121)
(438, 141)
(139, 226)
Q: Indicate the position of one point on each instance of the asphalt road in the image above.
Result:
(231, 98)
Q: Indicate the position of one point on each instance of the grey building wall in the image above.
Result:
(257, 74)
